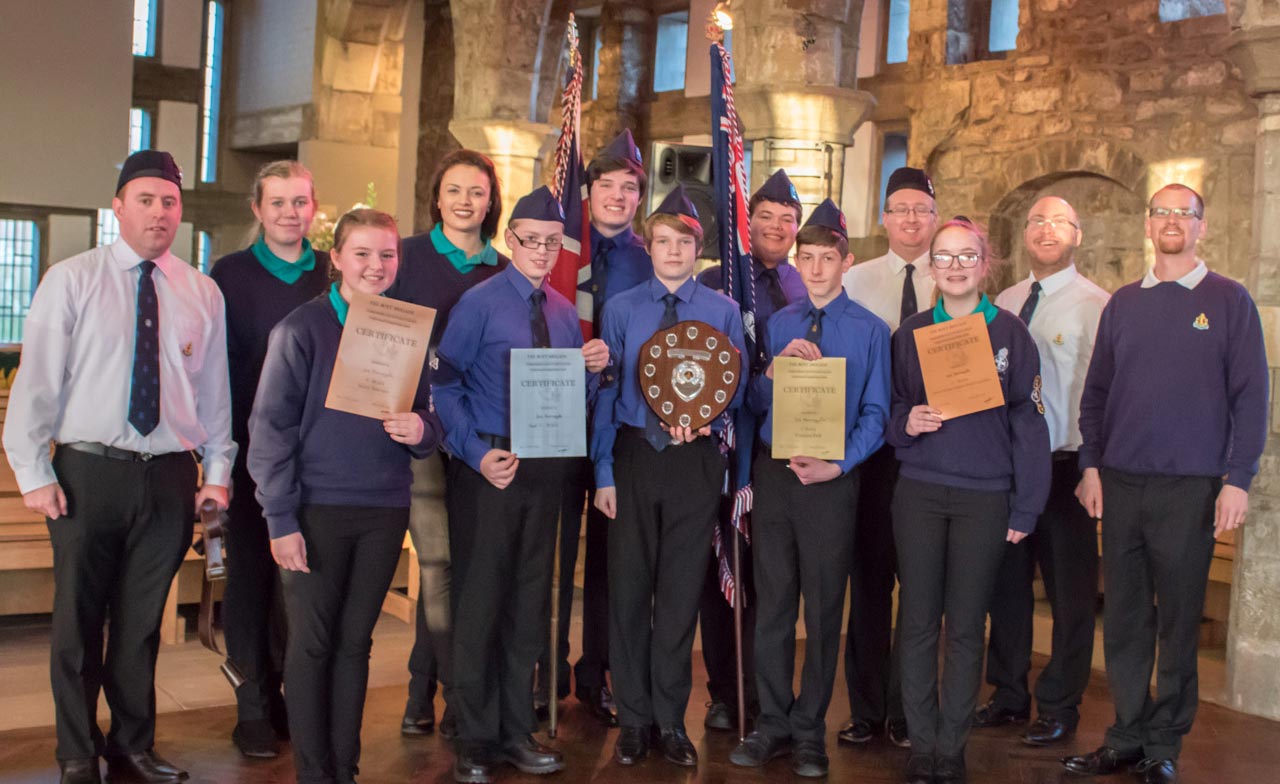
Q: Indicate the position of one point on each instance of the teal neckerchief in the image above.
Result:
(985, 307)
(458, 257)
(340, 305)
(286, 271)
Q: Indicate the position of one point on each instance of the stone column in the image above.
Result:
(1253, 636)
(623, 76)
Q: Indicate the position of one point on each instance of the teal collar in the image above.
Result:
(458, 257)
(340, 305)
(985, 307)
(286, 271)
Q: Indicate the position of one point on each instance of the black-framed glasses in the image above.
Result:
(552, 244)
(903, 210)
(1059, 223)
(947, 260)
(1177, 213)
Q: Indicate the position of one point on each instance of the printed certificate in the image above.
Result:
(548, 403)
(380, 358)
(958, 366)
(808, 408)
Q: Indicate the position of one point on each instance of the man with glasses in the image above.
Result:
(893, 286)
(1061, 308)
(1173, 420)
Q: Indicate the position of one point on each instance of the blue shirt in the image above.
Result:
(472, 387)
(862, 338)
(792, 288)
(629, 320)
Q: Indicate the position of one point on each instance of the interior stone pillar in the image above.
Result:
(517, 148)
(1253, 637)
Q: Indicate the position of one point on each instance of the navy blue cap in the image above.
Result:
(623, 146)
(677, 203)
(828, 216)
(778, 188)
(540, 205)
(149, 163)
(910, 179)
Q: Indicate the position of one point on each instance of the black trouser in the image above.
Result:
(715, 617)
(252, 606)
(589, 672)
(352, 553)
(1065, 545)
(115, 553)
(871, 664)
(658, 550)
(1157, 544)
(803, 542)
(503, 552)
(431, 659)
(950, 542)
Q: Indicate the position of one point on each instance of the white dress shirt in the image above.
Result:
(74, 379)
(1188, 281)
(877, 285)
(1064, 326)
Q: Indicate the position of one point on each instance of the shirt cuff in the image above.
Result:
(35, 477)
(604, 474)
(474, 451)
(217, 471)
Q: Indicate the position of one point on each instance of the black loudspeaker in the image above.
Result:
(688, 165)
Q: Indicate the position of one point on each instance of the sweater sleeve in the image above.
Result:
(1247, 392)
(904, 395)
(275, 429)
(1097, 384)
(1028, 434)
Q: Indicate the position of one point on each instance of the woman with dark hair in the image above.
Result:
(261, 285)
(437, 268)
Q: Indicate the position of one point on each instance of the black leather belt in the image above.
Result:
(112, 453)
(497, 442)
(1063, 455)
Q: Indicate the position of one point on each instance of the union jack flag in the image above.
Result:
(572, 273)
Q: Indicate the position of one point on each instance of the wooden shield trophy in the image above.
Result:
(688, 373)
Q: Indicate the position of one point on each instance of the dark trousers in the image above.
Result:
(1065, 545)
(658, 550)
(352, 553)
(252, 606)
(950, 542)
(115, 553)
(715, 617)
(503, 553)
(1157, 544)
(431, 659)
(871, 665)
(804, 537)
(589, 672)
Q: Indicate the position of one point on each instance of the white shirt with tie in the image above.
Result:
(1064, 325)
(74, 379)
(877, 285)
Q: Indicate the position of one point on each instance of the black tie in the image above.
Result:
(144, 394)
(815, 328)
(909, 306)
(1029, 307)
(599, 276)
(658, 438)
(776, 295)
(538, 320)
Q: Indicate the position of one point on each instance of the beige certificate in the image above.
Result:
(958, 366)
(380, 358)
(808, 408)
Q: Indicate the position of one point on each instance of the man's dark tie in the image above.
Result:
(144, 393)
(1029, 307)
(814, 335)
(777, 297)
(599, 276)
(538, 320)
(654, 433)
(909, 306)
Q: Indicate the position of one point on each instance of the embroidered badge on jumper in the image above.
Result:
(1201, 322)
(1002, 361)
(1036, 396)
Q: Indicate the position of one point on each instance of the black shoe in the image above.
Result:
(449, 725)
(80, 771)
(920, 769)
(1102, 761)
(256, 739)
(1158, 771)
(675, 746)
(721, 716)
(1046, 731)
(758, 748)
(855, 732)
(896, 731)
(949, 770)
(632, 745)
(809, 759)
(473, 766)
(992, 715)
(145, 766)
(530, 756)
(599, 704)
(417, 724)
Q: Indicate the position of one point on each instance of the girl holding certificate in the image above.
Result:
(261, 285)
(967, 486)
(334, 488)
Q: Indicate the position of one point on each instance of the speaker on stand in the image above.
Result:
(688, 165)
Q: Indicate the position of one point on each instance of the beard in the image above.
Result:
(1171, 244)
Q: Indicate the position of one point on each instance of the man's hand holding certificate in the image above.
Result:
(380, 358)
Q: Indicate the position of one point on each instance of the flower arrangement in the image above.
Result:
(321, 234)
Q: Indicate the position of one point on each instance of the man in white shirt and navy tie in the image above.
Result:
(893, 286)
(1061, 308)
(124, 367)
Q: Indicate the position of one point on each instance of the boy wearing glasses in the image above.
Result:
(894, 286)
(501, 538)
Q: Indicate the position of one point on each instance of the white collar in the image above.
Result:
(1058, 280)
(897, 263)
(1188, 281)
(126, 257)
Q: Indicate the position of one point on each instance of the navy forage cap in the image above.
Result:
(149, 163)
(677, 203)
(623, 146)
(828, 216)
(540, 205)
(778, 188)
(909, 178)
